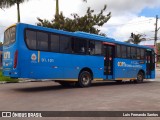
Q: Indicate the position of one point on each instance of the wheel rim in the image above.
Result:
(85, 79)
(140, 77)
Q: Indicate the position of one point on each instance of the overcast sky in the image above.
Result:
(128, 16)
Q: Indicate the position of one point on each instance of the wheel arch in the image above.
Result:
(86, 69)
(142, 71)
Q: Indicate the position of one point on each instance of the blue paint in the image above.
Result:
(64, 66)
(1, 48)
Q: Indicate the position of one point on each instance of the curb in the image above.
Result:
(6, 82)
(3, 82)
(20, 81)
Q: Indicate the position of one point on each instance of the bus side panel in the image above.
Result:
(153, 74)
(42, 65)
(37, 64)
(76, 63)
(125, 68)
(50, 65)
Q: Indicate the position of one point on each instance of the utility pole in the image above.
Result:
(155, 38)
(156, 32)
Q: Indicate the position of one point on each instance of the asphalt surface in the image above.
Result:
(101, 96)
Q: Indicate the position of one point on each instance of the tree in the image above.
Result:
(9, 3)
(86, 23)
(136, 38)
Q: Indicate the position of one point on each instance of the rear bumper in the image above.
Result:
(10, 73)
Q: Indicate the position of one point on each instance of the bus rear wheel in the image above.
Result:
(84, 79)
(140, 77)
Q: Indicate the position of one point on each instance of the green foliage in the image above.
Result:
(9, 3)
(86, 23)
(136, 38)
(7, 79)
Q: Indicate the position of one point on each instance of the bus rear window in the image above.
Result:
(9, 36)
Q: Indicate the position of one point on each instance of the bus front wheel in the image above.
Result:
(140, 77)
(84, 79)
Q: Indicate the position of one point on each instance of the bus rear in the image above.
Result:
(10, 53)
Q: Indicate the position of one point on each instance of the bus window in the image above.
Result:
(118, 51)
(91, 47)
(9, 36)
(31, 39)
(54, 43)
(123, 50)
(65, 44)
(133, 52)
(80, 46)
(129, 52)
(142, 54)
(98, 48)
(42, 41)
(138, 54)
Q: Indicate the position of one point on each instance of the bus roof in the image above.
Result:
(80, 34)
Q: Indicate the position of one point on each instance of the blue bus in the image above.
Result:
(73, 57)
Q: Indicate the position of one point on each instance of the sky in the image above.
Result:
(127, 15)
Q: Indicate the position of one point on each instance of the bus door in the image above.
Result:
(150, 62)
(109, 54)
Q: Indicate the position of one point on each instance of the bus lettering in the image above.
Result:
(6, 55)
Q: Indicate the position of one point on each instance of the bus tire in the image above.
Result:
(140, 78)
(84, 79)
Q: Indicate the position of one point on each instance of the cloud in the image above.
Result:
(32, 9)
(125, 17)
(121, 31)
(121, 7)
(125, 14)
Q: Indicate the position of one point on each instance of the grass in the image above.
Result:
(7, 79)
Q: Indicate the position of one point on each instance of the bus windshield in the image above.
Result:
(9, 36)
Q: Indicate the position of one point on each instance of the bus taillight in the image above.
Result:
(15, 59)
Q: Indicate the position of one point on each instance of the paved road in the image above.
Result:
(101, 96)
(49, 96)
(106, 96)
